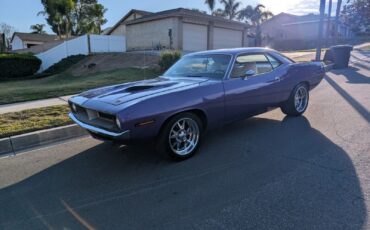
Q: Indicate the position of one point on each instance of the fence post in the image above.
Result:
(88, 44)
(109, 50)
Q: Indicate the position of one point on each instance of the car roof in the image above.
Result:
(234, 51)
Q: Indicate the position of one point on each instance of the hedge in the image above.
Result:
(168, 58)
(14, 66)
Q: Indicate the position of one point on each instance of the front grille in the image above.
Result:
(95, 118)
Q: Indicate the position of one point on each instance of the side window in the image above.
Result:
(274, 62)
(256, 62)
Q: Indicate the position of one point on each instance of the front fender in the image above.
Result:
(155, 111)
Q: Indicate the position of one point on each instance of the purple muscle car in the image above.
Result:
(201, 91)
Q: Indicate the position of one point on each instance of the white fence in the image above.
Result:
(107, 43)
(82, 45)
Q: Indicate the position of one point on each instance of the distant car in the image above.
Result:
(201, 91)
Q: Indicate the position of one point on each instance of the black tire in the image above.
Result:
(289, 107)
(163, 144)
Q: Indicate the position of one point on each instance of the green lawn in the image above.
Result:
(66, 84)
(33, 119)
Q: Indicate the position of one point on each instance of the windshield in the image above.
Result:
(209, 66)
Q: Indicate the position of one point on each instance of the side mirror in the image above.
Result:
(250, 73)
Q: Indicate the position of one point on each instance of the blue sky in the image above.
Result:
(21, 14)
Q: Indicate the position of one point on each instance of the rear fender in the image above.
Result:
(310, 72)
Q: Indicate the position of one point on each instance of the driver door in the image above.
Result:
(250, 87)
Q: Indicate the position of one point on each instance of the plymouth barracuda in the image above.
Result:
(201, 91)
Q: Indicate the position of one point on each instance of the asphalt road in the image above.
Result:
(267, 172)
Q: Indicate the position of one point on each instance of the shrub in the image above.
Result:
(64, 64)
(18, 65)
(168, 58)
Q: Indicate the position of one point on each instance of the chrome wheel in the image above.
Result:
(184, 136)
(301, 99)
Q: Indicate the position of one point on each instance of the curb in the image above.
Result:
(14, 144)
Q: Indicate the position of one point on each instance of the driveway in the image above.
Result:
(267, 172)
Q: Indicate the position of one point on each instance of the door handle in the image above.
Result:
(276, 79)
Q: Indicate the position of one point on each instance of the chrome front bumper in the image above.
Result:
(116, 136)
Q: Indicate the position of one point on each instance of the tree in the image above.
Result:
(211, 4)
(74, 17)
(230, 8)
(219, 13)
(38, 29)
(59, 15)
(255, 16)
(357, 14)
(8, 32)
(93, 23)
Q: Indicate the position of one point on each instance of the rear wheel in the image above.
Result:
(297, 103)
(180, 137)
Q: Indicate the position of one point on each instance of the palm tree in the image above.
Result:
(219, 13)
(96, 19)
(211, 4)
(38, 29)
(59, 15)
(255, 16)
(230, 8)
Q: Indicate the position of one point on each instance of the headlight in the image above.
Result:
(118, 122)
(74, 108)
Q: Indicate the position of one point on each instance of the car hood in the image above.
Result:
(123, 93)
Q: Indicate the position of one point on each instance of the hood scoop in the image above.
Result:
(138, 88)
(143, 87)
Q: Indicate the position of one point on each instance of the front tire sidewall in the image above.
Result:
(163, 144)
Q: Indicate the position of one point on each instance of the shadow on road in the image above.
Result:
(258, 173)
(353, 76)
(352, 101)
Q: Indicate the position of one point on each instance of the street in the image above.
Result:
(266, 172)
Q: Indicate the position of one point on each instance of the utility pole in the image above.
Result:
(339, 4)
(328, 26)
(321, 27)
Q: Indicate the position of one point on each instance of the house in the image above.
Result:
(180, 29)
(120, 27)
(284, 30)
(28, 40)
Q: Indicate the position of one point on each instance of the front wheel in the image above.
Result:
(297, 103)
(180, 137)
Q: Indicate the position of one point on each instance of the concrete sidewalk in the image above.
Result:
(16, 107)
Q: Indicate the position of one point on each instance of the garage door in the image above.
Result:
(194, 37)
(226, 38)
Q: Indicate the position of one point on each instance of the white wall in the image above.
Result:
(120, 30)
(107, 43)
(80, 45)
(17, 43)
(72, 47)
(146, 35)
